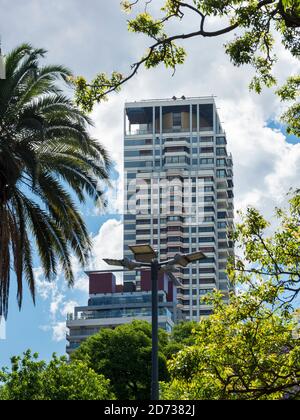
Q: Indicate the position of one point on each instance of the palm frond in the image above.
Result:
(46, 154)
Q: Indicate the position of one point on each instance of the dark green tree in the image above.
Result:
(183, 334)
(123, 355)
(46, 155)
(254, 25)
(31, 379)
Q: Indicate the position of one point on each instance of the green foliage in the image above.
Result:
(292, 6)
(144, 23)
(183, 334)
(123, 355)
(241, 352)
(46, 153)
(269, 260)
(86, 95)
(290, 92)
(258, 24)
(30, 379)
(249, 349)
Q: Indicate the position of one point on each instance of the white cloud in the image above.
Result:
(57, 299)
(108, 242)
(68, 307)
(81, 284)
(265, 165)
(59, 331)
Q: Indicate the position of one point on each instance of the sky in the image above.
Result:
(90, 37)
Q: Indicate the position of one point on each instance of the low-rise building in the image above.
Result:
(110, 305)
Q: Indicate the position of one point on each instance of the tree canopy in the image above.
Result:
(31, 379)
(123, 355)
(270, 261)
(250, 348)
(254, 25)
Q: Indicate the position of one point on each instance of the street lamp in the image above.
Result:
(146, 257)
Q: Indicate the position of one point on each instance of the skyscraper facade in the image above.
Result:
(179, 191)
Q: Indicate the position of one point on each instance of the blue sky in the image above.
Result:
(88, 38)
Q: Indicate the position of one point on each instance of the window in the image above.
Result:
(174, 239)
(145, 152)
(143, 222)
(144, 142)
(130, 227)
(221, 151)
(206, 161)
(132, 153)
(206, 150)
(174, 219)
(208, 209)
(129, 217)
(206, 229)
(222, 225)
(206, 117)
(221, 140)
(208, 189)
(131, 175)
(222, 235)
(175, 149)
(203, 292)
(176, 159)
(205, 312)
(206, 239)
(221, 162)
(177, 119)
(143, 232)
(129, 237)
(207, 139)
(209, 199)
(138, 164)
(207, 249)
(221, 173)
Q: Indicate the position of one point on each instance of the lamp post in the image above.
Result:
(146, 257)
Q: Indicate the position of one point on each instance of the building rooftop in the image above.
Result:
(174, 99)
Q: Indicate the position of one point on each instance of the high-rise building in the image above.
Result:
(179, 191)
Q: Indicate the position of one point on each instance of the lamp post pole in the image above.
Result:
(154, 281)
(145, 258)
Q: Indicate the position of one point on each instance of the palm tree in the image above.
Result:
(47, 157)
